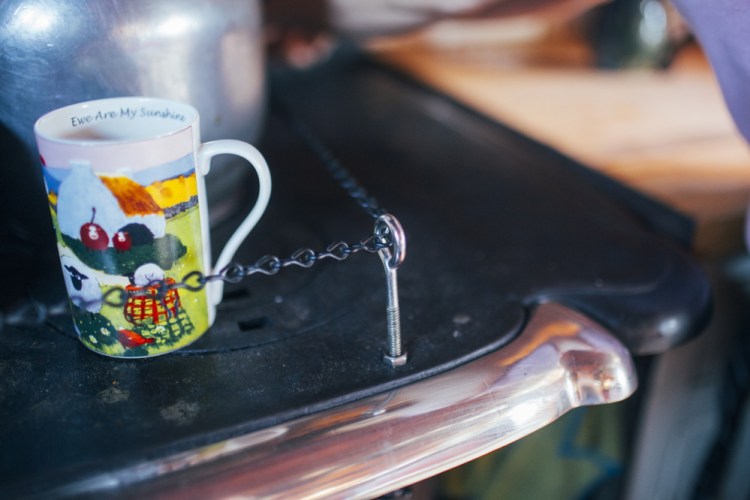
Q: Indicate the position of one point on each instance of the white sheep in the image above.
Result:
(147, 273)
(83, 287)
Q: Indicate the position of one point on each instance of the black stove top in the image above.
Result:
(496, 223)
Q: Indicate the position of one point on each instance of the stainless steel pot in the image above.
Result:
(57, 52)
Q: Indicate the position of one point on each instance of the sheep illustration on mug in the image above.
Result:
(127, 229)
(83, 287)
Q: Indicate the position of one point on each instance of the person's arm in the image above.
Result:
(723, 30)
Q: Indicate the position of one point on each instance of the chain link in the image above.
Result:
(33, 313)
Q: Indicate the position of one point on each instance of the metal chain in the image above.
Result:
(334, 167)
(33, 313)
(234, 273)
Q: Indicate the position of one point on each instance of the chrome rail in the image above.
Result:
(562, 360)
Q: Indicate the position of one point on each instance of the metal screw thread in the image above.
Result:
(393, 315)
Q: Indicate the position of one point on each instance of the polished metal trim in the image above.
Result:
(562, 360)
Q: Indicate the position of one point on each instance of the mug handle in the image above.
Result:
(230, 146)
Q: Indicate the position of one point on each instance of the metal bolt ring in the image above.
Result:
(387, 224)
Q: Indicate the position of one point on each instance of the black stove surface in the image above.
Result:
(495, 222)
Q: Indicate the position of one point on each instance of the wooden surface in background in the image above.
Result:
(666, 132)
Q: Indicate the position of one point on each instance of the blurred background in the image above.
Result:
(623, 87)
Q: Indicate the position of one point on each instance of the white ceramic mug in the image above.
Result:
(125, 182)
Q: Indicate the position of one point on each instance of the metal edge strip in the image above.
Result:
(562, 360)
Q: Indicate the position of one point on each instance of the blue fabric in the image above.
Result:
(723, 30)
